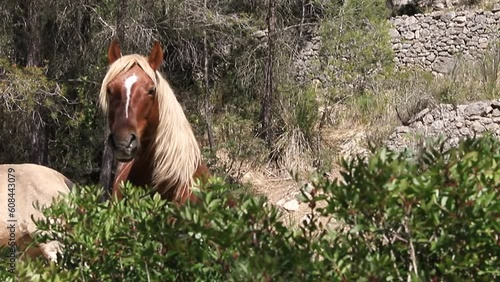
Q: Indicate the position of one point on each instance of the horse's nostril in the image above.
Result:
(133, 141)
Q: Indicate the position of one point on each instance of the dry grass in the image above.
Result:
(394, 100)
(294, 150)
(472, 80)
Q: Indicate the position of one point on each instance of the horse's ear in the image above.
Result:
(155, 58)
(114, 51)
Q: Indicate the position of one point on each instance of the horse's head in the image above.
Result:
(132, 105)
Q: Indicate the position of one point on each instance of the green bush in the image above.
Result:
(355, 44)
(28, 99)
(237, 145)
(428, 216)
(431, 216)
(136, 239)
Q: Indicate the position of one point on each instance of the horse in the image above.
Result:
(21, 185)
(150, 137)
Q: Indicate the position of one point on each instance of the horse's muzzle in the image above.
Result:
(124, 147)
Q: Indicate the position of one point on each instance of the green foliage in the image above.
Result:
(26, 95)
(356, 42)
(237, 143)
(357, 59)
(30, 98)
(143, 238)
(430, 215)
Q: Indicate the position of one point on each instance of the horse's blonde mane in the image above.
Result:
(176, 151)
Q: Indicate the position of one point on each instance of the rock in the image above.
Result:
(306, 219)
(495, 113)
(394, 32)
(492, 127)
(250, 178)
(478, 127)
(292, 205)
(280, 202)
(443, 65)
(448, 16)
(443, 35)
(437, 126)
(495, 104)
(476, 109)
(259, 34)
(465, 131)
(431, 57)
(402, 129)
(496, 8)
(409, 35)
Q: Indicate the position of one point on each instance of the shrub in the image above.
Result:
(238, 145)
(298, 120)
(138, 239)
(58, 116)
(396, 216)
(427, 216)
(355, 44)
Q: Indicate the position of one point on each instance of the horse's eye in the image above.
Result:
(152, 91)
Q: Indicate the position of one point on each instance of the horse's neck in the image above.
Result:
(142, 170)
(140, 173)
(122, 175)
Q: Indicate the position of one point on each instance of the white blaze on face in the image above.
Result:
(128, 87)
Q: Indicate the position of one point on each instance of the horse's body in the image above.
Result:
(27, 184)
(150, 135)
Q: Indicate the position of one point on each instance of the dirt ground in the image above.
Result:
(281, 188)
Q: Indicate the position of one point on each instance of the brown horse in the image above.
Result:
(150, 136)
(21, 185)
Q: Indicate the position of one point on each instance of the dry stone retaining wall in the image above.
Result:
(307, 62)
(432, 41)
(448, 121)
(398, 6)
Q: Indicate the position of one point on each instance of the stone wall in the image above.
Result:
(307, 62)
(448, 121)
(400, 7)
(433, 41)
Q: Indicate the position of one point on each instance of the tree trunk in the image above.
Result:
(34, 30)
(107, 176)
(27, 32)
(267, 97)
(302, 18)
(121, 16)
(39, 145)
(206, 100)
(30, 10)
